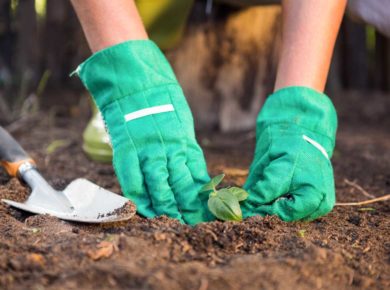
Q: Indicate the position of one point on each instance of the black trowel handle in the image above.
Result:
(12, 155)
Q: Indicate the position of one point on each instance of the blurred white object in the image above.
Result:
(374, 12)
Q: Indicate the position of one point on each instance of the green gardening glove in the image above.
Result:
(157, 159)
(291, 175)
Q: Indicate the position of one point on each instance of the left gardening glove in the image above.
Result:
(157, 159)
(291, 175)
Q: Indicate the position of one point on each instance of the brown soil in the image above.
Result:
(347, 249)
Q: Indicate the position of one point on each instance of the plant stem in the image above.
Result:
(213, 193)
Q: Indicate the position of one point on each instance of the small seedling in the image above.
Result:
(301, 233)
(224, 203)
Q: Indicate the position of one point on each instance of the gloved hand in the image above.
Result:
(291, 175)
(157, 159)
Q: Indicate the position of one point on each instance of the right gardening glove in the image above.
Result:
(291, 175)
(157, 159)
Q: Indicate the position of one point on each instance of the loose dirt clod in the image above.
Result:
(104, 250)
(128, 208)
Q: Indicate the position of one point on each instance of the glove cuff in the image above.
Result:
(303, 107)
(125, 69)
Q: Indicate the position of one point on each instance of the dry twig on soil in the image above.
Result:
(361, 189)
(358, 187)
(382, 198)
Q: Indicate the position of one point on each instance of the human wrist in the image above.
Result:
(125, 69)
(105, 24)
(302, 107)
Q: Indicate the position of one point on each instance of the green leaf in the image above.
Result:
(216, 206)
(207, 187)
(231, 202)
(225, 206)
(239, 193)
(217, 179)
(212, 184)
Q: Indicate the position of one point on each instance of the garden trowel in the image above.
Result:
(81, 200)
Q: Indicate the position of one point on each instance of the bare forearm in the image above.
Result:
(109, 22)
(310, 29)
